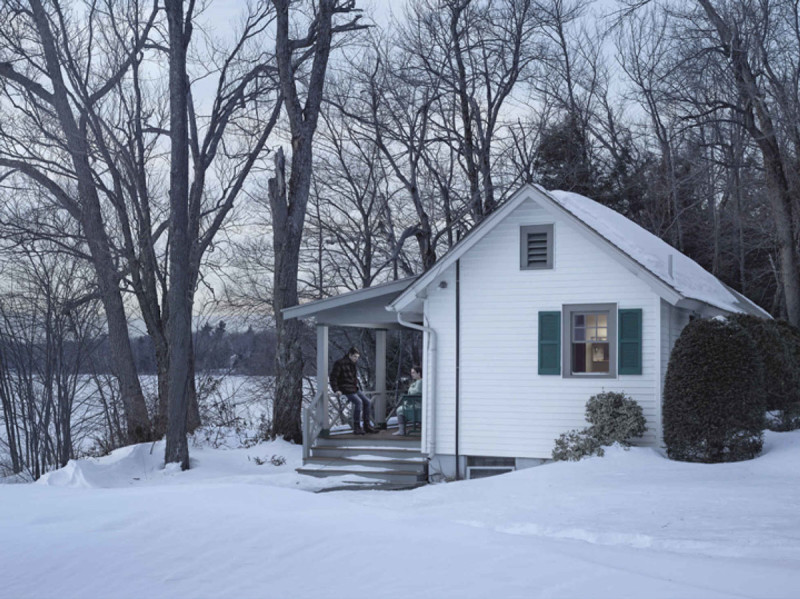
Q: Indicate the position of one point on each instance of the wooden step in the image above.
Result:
(368, 441)
(369, 461)
(353, 473)
(373, 485)
(344, 451)
(390, 461)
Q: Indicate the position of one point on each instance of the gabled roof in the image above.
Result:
(672, 275)
(365, 308)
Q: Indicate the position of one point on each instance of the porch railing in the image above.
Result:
(314, 420)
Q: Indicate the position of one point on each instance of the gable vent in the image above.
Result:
(537, 249)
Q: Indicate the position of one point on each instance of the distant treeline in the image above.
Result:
(249, 352)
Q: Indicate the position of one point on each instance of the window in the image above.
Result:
(536, 247)
(481, 466)
(590, 342)
(598, 341)
(590, 332)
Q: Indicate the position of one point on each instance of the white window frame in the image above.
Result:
(566, 340)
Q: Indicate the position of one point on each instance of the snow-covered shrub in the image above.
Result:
(713, 394)
(781, 367)
(275, 460)
(575, 445)
(614, 418)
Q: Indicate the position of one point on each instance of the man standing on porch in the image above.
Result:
(344, 380)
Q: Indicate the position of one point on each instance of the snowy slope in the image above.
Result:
(632, 524)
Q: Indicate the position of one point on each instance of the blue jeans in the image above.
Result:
(361, 405)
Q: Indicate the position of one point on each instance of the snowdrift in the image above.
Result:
(630, 524)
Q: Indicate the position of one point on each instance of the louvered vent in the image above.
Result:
(537, 249)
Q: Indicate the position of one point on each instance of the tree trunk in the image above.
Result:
(287, 403)
(138, 422)
(179, 328)
(289, 202)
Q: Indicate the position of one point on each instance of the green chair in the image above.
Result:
(412, 411)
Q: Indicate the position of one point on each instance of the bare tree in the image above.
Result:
(124, 129)
(180, 305)
(392, 110)
(188, 240)
(350, 210)
(737, 62)
(641, 49)
(46, 343)
(766, 80)
(478, 52)
(289, 199)
(39, 84)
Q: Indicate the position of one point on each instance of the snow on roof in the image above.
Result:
(688, 278)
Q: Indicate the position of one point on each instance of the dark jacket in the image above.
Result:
(344, 376)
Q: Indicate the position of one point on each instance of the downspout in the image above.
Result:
(430, 381)
(458, 363)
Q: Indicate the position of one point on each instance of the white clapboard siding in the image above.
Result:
(506, 408)
(441, 316)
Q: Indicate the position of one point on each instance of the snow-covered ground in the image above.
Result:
(631, 524)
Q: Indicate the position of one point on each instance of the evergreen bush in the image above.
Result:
(714, 400)
(614, 418)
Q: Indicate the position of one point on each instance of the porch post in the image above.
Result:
(380, 378)
(322, 373)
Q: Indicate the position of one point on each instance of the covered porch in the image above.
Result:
(364, 309)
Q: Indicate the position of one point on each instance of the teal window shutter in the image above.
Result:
(549, 342)
(630, 341)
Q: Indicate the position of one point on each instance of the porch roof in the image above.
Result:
(363, 308)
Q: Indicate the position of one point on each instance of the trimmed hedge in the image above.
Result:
(614, 418)
(714, 399)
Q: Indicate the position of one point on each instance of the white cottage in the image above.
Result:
(550, 300)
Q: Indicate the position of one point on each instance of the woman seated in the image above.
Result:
(404, 410)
